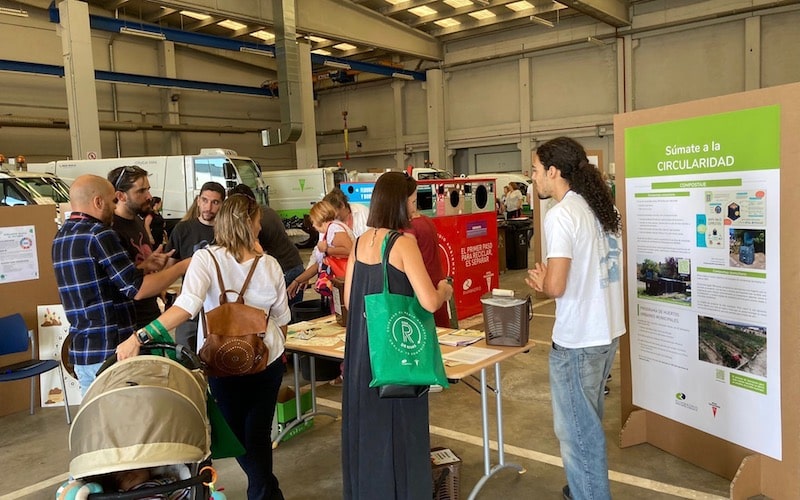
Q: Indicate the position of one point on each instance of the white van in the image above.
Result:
(34, 188)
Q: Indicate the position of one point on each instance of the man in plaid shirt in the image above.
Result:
(97, 280)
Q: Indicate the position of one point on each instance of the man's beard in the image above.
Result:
(142, 209)
(208, 216)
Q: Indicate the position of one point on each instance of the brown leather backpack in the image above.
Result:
(234, 333)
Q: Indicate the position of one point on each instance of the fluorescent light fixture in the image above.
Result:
(482, 14)
(142, 33)
(458, 3)
(345, 46)
(258, 52)
(483, 2)
(263, 35)
(321, 52)
(195, 15)
(542, 21)
(519, 6)
(335, 64)
(402, 76)
(447, 22)
(596, 41)
(422, 11)
(231, 25)
(317, 39)
(13, 12)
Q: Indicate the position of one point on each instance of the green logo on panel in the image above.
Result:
(302, 184)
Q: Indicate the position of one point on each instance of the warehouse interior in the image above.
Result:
(469, 86)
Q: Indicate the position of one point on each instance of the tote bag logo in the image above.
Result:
(407, 333)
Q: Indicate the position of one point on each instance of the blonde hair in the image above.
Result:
(232, 227)
(322, 212)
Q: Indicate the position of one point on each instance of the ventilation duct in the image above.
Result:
(287, 56)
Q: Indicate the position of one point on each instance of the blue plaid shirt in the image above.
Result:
(97, 282)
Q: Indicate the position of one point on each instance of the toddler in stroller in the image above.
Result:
(143, 427)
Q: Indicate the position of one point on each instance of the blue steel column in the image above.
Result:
(76, 43)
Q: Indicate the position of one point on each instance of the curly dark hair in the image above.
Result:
(568, 156)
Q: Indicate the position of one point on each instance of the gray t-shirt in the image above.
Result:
(276, 242)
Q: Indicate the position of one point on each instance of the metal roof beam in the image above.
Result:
(613, 12)
(334, 19)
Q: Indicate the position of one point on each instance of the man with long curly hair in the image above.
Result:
(583, 272)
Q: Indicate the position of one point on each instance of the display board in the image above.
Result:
(24, 295)
(708, 365)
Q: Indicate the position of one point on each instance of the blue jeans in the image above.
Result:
(86, 375)
(577, 380)
(290, 276)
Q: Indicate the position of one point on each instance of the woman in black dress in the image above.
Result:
(385, 442)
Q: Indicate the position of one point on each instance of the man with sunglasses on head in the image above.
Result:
(194, 232)
(133, 201)
(97, 280)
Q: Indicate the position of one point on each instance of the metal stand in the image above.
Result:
(488, 470)
(302, 417)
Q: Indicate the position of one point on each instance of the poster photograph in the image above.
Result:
(53, 330)
(702, 220)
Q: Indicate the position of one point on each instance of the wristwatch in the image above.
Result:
(143, 337)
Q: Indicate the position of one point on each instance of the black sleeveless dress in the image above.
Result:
(385, 442)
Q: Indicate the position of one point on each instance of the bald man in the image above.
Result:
(97, 280)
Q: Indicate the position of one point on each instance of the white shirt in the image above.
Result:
(514, 200)
(267, 291)
(360, 214)
(590, 312)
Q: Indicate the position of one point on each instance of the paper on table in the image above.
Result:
(471, 355)
(461, 337)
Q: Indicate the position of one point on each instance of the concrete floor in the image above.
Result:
(33, 449)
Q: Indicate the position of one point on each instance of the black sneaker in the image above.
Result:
(606, 391)
(565, 492)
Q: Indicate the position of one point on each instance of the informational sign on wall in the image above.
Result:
(703, 218)
(18, 258)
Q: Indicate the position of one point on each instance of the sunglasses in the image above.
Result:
(129, 170)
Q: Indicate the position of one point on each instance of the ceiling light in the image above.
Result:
(13, 12)
(596, 41)
(458, 3)
(195, 15)
(542, 21)
(259, 52)
(482, 14)
(402, 76)
(142, 33)
(344, 46)
(263, 35)
(321, 52)
(483, 2)
(231, 25)
(336, 64)
(447, 22)
(422, 11)
(519, 6)
(317, 39)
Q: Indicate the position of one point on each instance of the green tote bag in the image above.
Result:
(403, 345)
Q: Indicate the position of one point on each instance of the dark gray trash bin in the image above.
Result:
(518, 240)
(325, 368)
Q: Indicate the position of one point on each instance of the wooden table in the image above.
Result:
(454, 374)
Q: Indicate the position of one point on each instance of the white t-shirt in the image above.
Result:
(360, 214)
(590, 313)
(267, 291)
(514, 200)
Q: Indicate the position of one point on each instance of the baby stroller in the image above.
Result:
(144, 413)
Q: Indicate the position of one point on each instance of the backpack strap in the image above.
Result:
(223, 298)
(249, 276)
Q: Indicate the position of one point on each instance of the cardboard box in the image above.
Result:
(286, 409)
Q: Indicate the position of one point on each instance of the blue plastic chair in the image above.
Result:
(15, 338)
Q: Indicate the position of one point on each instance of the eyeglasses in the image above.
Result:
(130, 170)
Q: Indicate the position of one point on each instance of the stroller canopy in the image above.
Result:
(145, 411)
